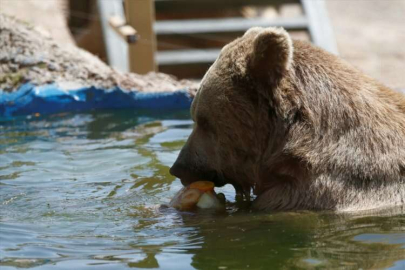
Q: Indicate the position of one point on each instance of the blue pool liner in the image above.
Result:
(48, 99)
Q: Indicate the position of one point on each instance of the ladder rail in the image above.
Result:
(319, 25)
(185, 27)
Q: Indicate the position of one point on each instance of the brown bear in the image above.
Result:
(297, 125)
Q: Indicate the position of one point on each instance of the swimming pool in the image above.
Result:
(82, 191)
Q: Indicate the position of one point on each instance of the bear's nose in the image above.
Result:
(181, 172)
(176, 170)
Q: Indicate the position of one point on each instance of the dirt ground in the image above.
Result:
(28, 55)
(370, 33)
(48, 16)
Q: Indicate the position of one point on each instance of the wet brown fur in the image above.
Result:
(298, 125)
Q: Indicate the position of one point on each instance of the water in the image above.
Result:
(82, 191)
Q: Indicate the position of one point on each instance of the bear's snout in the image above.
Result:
(183, 172)
(189, 174)
(177, 170)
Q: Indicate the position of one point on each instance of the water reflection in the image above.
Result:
(285, 240)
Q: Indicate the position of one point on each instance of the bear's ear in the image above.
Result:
(271, 55)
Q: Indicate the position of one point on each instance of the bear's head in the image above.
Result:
(235, 124)
(274, 114)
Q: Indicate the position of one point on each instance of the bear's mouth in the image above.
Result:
(220, 181)
(212, 177)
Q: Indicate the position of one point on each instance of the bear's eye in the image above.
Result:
(203, 123)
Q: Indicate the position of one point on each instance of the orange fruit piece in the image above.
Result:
(203, 186)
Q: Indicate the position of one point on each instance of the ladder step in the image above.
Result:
(183, 5)
(184, 27)
(187, 57)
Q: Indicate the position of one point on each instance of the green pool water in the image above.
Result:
(82, 191)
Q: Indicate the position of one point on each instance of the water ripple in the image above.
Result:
(85, 191)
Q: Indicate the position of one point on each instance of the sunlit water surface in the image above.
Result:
(82, 191)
